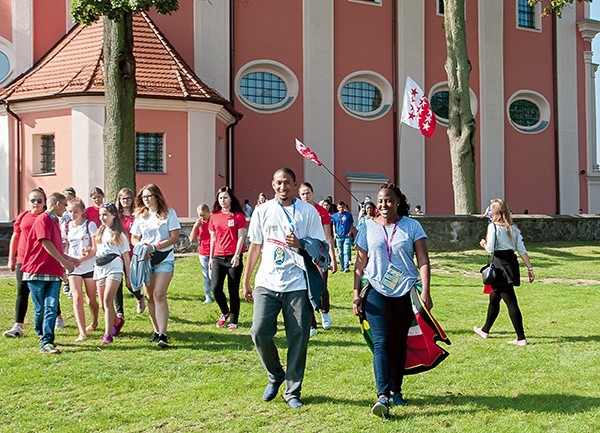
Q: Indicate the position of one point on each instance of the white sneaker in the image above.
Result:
(60, 323)
(326, 320)
(14, 332)
(313, 332)
(141, 305)
(208, 301)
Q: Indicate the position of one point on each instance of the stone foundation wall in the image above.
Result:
(445, 232)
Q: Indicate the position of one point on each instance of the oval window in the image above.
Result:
(524, 113)
(439, 104)
(263, 88)
(4, 66)
(361, 97)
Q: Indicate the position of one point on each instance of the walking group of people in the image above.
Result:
(293, 238)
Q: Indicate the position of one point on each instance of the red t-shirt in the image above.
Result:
(92, 213)
(36, 259)
(127, 221)
(203, 238)
(225, 228)
(22, 226)
(325, 217)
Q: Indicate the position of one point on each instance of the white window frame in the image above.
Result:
(537, 18)
(377, 80)
(539, 100)
(36, 154)
(275, 68)
(368, 2)
(7, 49)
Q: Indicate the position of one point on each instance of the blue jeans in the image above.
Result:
(45, 306)
(343, 246)
(206, 276)
(390, 319)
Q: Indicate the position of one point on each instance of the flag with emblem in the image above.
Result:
(416, 111)
(307, 153)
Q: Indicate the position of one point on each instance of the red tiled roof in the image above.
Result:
(74, 66)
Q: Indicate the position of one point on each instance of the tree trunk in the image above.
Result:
(461, 124)
(120, 90)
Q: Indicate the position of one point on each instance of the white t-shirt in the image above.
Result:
(79, 237)
(103, 248)
(270, 224)
(152, 229)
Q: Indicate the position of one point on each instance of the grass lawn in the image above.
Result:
(211, 380)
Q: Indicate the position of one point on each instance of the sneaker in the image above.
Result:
(232, 326)
(397, 400)
(479, 332)
(162, 340)
(70, 295)
(153, 337)
(208, 301)
(107, 339)
(326, 320)
(49, 349)
(117, 327)
(141, 305)
(313, 332)
(382, 407)
(14, 332)
(271, 391)
(60, 323)
(222, 320)
(295, 403)
(518, 342)
(66, 288)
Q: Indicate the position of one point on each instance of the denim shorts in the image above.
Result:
(164, 267)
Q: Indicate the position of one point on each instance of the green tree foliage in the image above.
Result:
(119, 81)
(555, 7)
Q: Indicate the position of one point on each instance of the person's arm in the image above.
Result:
(424, 270)
(194, 233)
(12, 251)
(329, 239)
(359, 268)
(69, 263)
(252, 259)
(127, 263)
(211, 249)
(236, 260)
(171, 240)
(527, 262)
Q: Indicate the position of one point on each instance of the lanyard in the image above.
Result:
(290, 218)
(388, 242)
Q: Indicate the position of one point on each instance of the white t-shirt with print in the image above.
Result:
(151, 229)
(79, 237)
(270, 224)
(103, 248)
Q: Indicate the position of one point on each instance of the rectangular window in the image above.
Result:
(149, 152)
(440, 7)
(526, 15)
(44, 160)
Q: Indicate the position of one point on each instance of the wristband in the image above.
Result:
(530, 269)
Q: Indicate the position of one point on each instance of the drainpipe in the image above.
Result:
(395, 125)
(229, 134)
(19, 167)
(555, 109)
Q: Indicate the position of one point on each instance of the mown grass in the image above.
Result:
(211, 380)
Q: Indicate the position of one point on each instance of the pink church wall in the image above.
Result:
(6, 19)
(174, 183)
(530, 159)
(57, 122)
(362, 146)
(49, 23)
(265, 142)
(178, 28)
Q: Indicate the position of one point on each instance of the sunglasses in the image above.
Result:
(36, 200)
(110, 206)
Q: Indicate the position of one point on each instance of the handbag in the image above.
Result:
(157, 257)
(490, 274)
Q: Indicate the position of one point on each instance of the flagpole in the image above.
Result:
(341, 183)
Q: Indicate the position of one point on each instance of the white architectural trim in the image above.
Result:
(491, 100)
(411, 143)
(22, 34)
(87, 124)
(5, 167)
(211, 44)
(201, 159)
(568, 125)
(69, 22)
(319, 91)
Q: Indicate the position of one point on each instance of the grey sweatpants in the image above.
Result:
(296, 317)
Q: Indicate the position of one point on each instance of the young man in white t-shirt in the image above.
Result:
(275, 230)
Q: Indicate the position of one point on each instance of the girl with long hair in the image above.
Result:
(227, 227)
(201, 234)
(157, 226)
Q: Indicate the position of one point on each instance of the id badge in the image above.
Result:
(299, 260)
(392, 277)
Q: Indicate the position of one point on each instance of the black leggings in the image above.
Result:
(506, 293)
(22, 301)
(221, 268)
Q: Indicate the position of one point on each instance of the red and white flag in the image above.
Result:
(416, 111)
(307, 153)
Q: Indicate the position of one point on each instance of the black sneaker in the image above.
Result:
(66, 288)
(162, 340)
(153, 337)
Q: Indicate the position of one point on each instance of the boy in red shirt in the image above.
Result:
(43, 264)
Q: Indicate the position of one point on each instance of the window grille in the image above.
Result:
(263, 88)
(439, 104)
(524, 113)
(47, 154)
(361, 96)
(525, 15)
(149, 152)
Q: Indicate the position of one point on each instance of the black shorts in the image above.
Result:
(84, 276)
